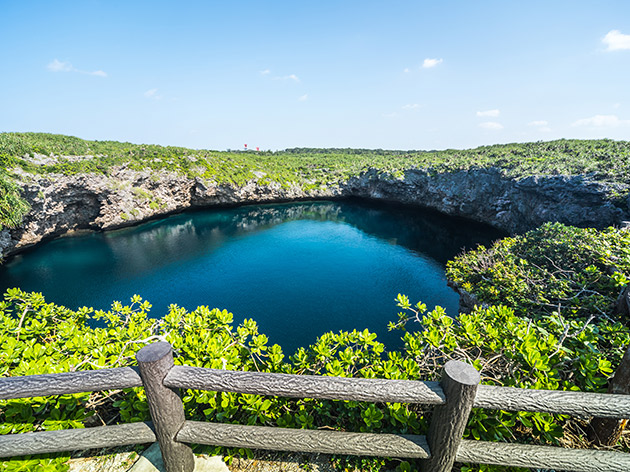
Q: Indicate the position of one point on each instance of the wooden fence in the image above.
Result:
(453, 397)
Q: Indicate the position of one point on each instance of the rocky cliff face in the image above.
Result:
(67, 204)
(512, 205)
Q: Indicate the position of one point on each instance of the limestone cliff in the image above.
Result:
(65, 204)
(513, 205)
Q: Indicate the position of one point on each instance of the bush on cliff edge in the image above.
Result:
(39, 337)
(578, 272)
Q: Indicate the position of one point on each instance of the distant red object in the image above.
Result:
(257, 148)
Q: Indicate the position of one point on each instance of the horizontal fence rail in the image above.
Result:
(306, 386)
(43, 442)
(304, 440)
(565, 402)
(581, 404)
(543, 457)
(69, 382)
(452, 399)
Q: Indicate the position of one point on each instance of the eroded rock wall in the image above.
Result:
(65, 204)
(512, 205)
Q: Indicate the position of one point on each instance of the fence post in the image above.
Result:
(167, 409)
(459, 382)
(607, 431)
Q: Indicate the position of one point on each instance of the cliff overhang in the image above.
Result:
(64, 204)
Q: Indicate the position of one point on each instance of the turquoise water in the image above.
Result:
(298, 269)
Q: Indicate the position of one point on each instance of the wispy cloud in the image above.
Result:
(303, 98)
(406, 70)
(60, 66)
(411, 106)
(541, 125)
(153, 94)
(292, 77)
(615, 40)
(492, 125)
(489, 113)
(390, 115)
(429, 63)
(602, 121)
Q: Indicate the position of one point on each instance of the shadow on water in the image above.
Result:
(298, 269)
(187, 235)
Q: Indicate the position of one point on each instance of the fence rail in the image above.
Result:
(69, 382)
(306, 386)
(545, 457)
(564, 402)
(63, 440)
(453, 397)
(304, 440)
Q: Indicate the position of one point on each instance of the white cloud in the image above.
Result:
(390, 115)
(602, 121)
(493, 125)
(489, 113)
(303, 98)
(288, 77)
(428, 63)
(616, 105)
(152, 93)
(615, 40)
(411, 106)
(540, 125)
(292, 77)
(406, 70)
(60, 66)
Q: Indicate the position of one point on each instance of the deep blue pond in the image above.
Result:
(298, 269)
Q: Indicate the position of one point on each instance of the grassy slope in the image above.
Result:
(603, 160)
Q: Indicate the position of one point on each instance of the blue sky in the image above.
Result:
(386, 74)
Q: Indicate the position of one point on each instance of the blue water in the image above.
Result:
(298, 269)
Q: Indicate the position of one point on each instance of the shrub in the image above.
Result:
(12, 206)
(40, 337)
(576, 271)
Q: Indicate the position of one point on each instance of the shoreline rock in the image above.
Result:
(62, 205)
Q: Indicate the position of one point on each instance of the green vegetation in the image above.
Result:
(578, 272)
(605, 160)
(41, 153)
(38, 337)
(548, 323)
(12, 206)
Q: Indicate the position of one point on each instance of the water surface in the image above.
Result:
(298, 269)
